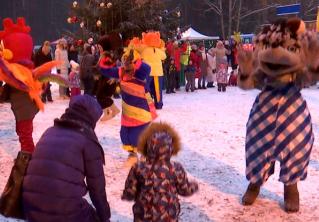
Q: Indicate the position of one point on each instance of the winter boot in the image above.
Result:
(291, 196)
(131, 160)
(11, 198)
(251, 194)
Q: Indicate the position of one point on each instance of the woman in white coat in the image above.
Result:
(61, 54)
(211, 69)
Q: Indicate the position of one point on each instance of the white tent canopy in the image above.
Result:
(191, 34)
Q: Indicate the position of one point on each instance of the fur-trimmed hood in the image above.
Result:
(159, 141)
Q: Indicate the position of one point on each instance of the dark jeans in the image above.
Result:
(182, 75)
(177, 80)
(190, 77)
(46, 94)
(171, 81)
(88, 84)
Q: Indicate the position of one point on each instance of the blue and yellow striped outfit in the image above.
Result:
(137, 107)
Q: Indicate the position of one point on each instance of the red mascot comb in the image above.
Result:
(16, 37)
(9, 27)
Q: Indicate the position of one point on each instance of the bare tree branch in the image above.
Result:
(258, 10)
(214, 7)
(234, 4)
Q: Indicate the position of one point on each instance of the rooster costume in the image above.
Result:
(23, 89)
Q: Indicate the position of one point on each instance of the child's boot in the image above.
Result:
(131, 160)
(291, 196)
(251, 194)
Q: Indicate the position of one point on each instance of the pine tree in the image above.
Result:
(128, 17)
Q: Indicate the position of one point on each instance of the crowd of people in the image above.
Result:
(182, 64)
(188, 62)
(53, 177)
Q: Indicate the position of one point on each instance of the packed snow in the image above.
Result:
(212, 128)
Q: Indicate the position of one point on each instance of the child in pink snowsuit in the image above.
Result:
(74, 79)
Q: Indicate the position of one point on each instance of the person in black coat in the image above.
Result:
(109, 46)
(66, 164)
(42, 56)
(73, 53)
(87, 70)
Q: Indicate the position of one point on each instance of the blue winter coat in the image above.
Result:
(67, 163)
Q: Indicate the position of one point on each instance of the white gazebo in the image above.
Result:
(191, 34)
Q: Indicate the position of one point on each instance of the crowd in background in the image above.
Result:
(188, 64)
(78, 66)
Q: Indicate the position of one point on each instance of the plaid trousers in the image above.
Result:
(279, 128)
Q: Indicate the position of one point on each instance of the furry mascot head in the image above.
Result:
(279, 56)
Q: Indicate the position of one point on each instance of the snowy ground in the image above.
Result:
(212, 128)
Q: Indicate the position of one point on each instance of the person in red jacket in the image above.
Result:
(177, 58)
(195, 58)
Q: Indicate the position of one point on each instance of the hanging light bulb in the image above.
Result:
(82, 25)
(98, 23)
(109, 5)
(69, 20)
(75, 4)
(102, 4)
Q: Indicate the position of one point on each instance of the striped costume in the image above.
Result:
(279, 128)
(138, 109)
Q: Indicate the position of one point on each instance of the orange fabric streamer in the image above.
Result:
(43, 69)
(25, 75)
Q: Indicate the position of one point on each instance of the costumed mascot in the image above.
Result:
(279, 128)
(153, 53)
(137, 107)
(23, 89)
(106, 86)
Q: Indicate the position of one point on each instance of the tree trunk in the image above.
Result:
(238, 15)
(264, 13)
(222, 18)
(230, 19)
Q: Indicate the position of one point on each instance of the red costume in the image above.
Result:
(23, 86)
(23, 90)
